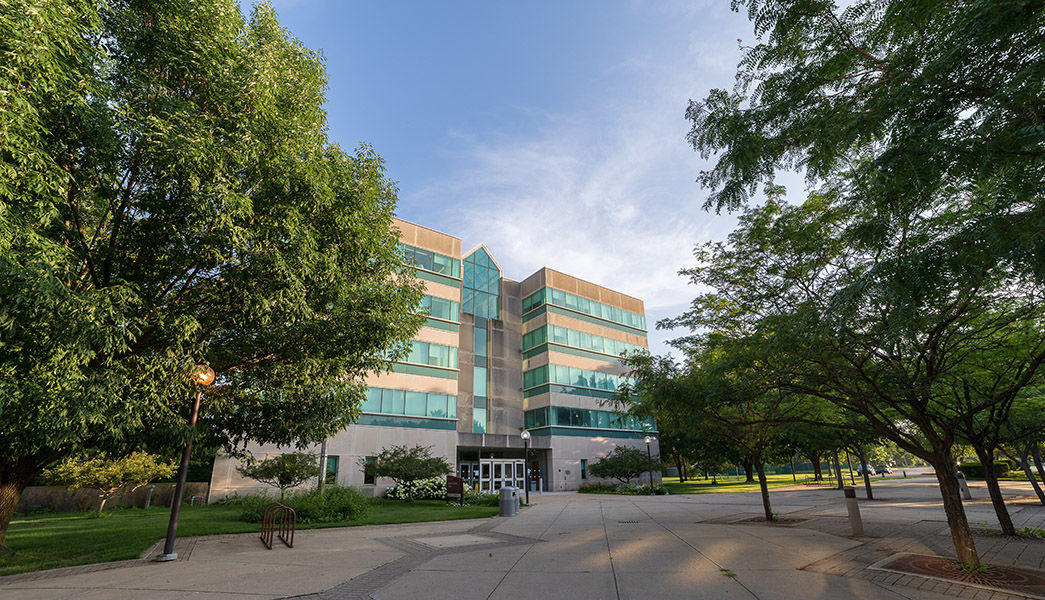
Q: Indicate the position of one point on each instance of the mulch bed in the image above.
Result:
(1013, 579)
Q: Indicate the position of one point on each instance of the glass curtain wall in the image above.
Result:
(481, 297)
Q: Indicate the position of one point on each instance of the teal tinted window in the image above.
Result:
(577, 339)
(436, 355)
(410, 404)
(479, 387)
(563, 416)
(441, 308)
(481, 342)
(479, 420)
(572, 376)
(583, 305)
(481, 286)
(373, 400)
(416, 404)
(431, 261)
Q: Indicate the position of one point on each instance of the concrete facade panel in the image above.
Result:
(414, 383)
(567, 453)
(442, 291)
(429, 239)
(437, 336)
(569, 360)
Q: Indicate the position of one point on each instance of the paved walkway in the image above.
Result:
(575, 547)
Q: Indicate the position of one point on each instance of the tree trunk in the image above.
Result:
(849, 461)
(1033, 480)
(1036, 453)
(101, 505)
(991, 476)
(867, 477)
(749, 475)
(818, 473)
(679, 466)
(14, 478)
(765, 490)
(961, 535)
(838, 471)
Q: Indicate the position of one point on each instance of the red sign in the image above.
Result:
(454, 485)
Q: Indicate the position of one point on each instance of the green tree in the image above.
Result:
(168, 196)
(112, 477)
(623, 463)
(283, 471)
(882, 336)
(933, 105)
(403, 464)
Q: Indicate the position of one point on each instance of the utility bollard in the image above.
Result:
(854, 511)
(148, 497)
(966, 494)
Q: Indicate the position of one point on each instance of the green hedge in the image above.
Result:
(975, 469)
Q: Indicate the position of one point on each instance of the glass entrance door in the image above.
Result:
(496, 473)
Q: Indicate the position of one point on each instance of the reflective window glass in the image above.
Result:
(416, 404)
(479, 381)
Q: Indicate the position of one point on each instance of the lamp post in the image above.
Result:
(526, 467)
(649, 458)
(204, 377)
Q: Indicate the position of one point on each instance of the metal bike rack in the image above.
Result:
(285, 517)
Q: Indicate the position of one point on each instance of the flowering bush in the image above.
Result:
(432, 488)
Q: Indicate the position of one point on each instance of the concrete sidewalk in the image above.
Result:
(576, 546)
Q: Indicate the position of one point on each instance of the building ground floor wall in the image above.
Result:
(552, 463)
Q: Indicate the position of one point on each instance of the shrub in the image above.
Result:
(597, 488)
(480, 499)
(431, 488)
(629, 489)
(335, 505)
(975, 469)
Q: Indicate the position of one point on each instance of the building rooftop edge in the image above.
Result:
(640, 300)
(425, 227)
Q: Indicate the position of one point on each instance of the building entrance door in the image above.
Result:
(491, 474)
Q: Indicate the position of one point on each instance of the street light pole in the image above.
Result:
(649, 459)
(204, 377)
(526, 467)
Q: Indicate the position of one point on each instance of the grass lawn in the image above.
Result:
(67, 539)
(699, 486)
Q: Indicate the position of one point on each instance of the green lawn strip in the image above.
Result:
(699, 486)
(70, 539)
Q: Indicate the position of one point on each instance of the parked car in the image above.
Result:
(870, 470)
(886, 469)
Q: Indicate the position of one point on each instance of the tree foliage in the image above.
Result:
(928, 104)
(283, 471)
(624, 463)
(168, 196)
(403, 464)
(112, 477)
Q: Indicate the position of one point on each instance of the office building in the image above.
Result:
(495, 356)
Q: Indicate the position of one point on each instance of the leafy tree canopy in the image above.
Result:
(111, 477)
(402, 464)
(283, 471)
(168, 196)
(623, 463)
(930, 105)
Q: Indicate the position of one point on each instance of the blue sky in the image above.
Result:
(552, 132)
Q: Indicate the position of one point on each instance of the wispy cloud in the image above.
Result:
(607, 194)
